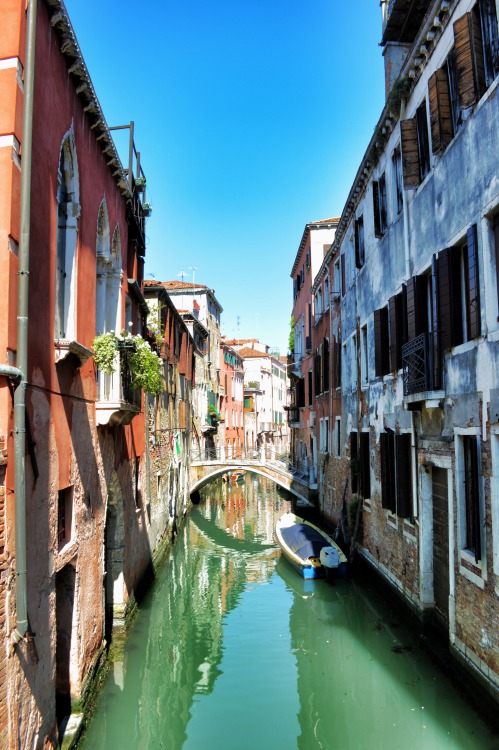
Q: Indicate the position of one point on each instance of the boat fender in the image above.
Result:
(330, 557)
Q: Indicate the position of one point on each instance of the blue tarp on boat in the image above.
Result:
(303, 540)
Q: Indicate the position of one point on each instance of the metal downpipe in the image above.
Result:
(22, 329)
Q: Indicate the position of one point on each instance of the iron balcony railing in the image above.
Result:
(293, 414)
(417, 364)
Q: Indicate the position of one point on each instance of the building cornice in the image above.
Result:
(70, 49)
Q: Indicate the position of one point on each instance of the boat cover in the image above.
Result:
(303, 540)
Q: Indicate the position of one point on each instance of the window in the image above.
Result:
(360, 464)
(337, 279)
(445, 108)
(326, 293)
(318, 305)
(495, 229)
(359, 242)
(324, 435)
(397, 180)
(343, 275)
(354, 463)
(310, 388)
(468, 471)
(477, 51)
(138, 492)
(396, 473)
(365, 466)
(325, 365)
(458, 290)
(338, 436)
(415, 148)
(397, 328)
(381, 342)
(64, 516)
(337, 363)
(364, 358)
(68, 210)
(379, 206)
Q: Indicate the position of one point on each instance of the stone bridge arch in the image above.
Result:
(201, 475)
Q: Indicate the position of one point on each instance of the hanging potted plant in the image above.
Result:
(146, 367)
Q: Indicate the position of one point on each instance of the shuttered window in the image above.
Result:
(397, 328)
(365, 466)
(354, 462)
(343, 275)
(325, 365)
(417, 306)
(359, 242)
(472, 496)
(410, 154)
(404, 475)
(472, 284)
(415, 148)
(381, 342)
(458, 284)
(441, 121)
(379, 206)
(397, 180)
(337, 363)
(396, 473)
(423, 141)
(387, 456)
(495, 229)
(469, 58)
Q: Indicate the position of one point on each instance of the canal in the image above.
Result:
(232, 649)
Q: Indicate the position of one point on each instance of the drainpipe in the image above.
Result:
(22, 330)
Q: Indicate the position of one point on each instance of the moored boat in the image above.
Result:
(310, 550)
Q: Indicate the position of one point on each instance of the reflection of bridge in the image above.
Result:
(207, 466)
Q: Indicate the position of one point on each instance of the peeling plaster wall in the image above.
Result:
(461, 189)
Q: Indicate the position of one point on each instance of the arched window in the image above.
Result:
(68, 211)
(108, 282)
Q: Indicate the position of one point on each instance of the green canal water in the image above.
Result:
(233, 650)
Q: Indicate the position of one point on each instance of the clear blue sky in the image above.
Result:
(251, 117)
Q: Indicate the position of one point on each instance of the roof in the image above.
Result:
(321, 224)
(179, 286)
(246, 353)
(172, 285)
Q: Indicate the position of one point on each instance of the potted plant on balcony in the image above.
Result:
(146, 367)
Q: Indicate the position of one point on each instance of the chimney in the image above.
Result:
(395, 54)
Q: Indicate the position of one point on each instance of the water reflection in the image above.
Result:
(234, 649)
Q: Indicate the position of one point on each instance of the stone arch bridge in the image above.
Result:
(204, 470)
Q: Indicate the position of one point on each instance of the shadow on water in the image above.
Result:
(232, 648)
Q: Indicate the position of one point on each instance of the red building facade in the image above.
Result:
(73, 530)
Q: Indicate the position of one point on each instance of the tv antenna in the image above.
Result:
(193, 269)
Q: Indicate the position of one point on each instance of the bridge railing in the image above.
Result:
(222, 454)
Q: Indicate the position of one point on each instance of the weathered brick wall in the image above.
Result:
(3, 618)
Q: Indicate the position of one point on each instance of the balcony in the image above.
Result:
(402, 19)
(293, 415)
(117, 401)
(419, 372)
